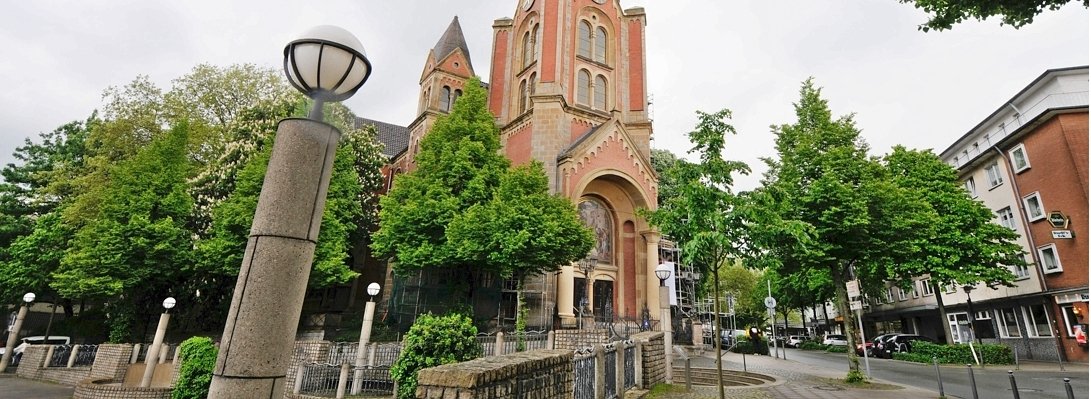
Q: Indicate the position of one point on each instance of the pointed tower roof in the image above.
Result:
(452, 39)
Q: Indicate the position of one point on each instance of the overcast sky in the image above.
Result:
(921, 90)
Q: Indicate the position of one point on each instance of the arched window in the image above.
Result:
(530, 89)
(600, 92)
(426, 99)
(585, 39)
(522, 96)
(536, 39)
(600, 45)
(583, 88)
(458, 93)
(445, 99)
(528, 49)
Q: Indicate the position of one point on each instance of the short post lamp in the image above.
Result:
(153, 351)
(365, 336)
(326, 63)
(971, 316)
(13, 335)
(663, 272)
(587, 266)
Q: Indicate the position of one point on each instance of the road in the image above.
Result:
(1040, 380)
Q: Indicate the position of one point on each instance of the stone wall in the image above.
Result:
(32, 366)
(111, 362)
(106, 389)
(579, 339)
(654, 359)
(542, 374)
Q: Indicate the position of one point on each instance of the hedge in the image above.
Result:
(433, 341)
(198, 358)
(922, 352)
(744, 346)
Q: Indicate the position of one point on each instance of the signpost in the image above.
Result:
(771, 305)
(856, 304)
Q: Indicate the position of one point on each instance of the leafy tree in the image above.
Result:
(704, 214)
(433, 341)
(960, 244)
(130, 252)
(944, 14)
(465, 209)
(742, 283)
(663, 160)
(855, 218)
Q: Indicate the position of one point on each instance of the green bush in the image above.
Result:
(812, 346)
(837, 348)
(430, 342)
(745, 346)
(923, 352)
(198, 357)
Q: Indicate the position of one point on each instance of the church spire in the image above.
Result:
(451, 40)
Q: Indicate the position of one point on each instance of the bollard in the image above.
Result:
(136, 354)
(1014, 388)
(499, 349)
(939, 379)
(343, 380)
(72, 356)
(973, 384)
(1068, 389)
(299, 380)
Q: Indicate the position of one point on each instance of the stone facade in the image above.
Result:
(32, 366)
(653, 361)
(579, 339)
(105, 389)
(544, 374)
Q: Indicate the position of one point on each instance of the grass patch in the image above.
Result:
(664, 390)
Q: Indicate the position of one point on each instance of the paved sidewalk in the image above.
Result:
(15, 387)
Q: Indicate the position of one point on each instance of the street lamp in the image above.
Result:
(13, 334)
(663, 272)
(152, 357)
(327, 64)
(365, 336)
(587, 266)
(970, 309)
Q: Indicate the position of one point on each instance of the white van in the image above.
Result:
(38, 340)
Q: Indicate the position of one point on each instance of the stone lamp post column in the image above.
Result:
(14, 334)
(663, 272)
(327, 64)
(157, 342)
(365, 336)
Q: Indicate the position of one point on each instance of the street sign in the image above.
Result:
(1062, 233)
(856, 305)
(853, 287)
(1058, 220)
(770, 303)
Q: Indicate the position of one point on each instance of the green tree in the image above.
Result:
(198, 358)
(855, 218)
(663, 160)
(465, 209)
(130, 252)
(960, 244)
(704, 214)
(944, 14)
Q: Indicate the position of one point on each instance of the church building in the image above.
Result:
(568, 88)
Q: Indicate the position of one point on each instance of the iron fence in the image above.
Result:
(386, 353)
(60, 356)
(319, 379)
(610, 370)
(630, 364)
(86, 355)
(583, 368)
(342, 352)
(374, 380)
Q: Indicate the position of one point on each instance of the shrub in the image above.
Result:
(855, 377)
(745, 346)
(837, 348)
(812, 346)
(430, 342)
(198, 357)
(922, 352)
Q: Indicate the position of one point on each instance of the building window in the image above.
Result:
(522, 97)
(1021, 271)
(445, 99)
(950, 288)
(1035, 209)
(1038, 321)
(1007, 219)
(960, 327)
(1071, 321)
(600, 45)
(1051, 262)
(1009, 326)
(995, 178)
(1019, 160)
(583, 87)
(971, 187)
(926, 287)
(530, 46)
(585, 39)
(600, 92)
(901, 294)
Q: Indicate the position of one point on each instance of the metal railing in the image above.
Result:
(610, 370)
(324, 380)
(85, 355)
(319, 379)
(630, 364)
(583, 368)
(60, 356)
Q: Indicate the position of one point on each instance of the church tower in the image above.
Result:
(568, 88)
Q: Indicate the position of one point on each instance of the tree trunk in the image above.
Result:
(841, 300)
(803, 317)
(826, 315)
(717, 334)
(947, 333)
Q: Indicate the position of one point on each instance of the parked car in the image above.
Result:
(17, 351)
(900, 343)
(872, 344)
(835, 339)
(795, 341)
